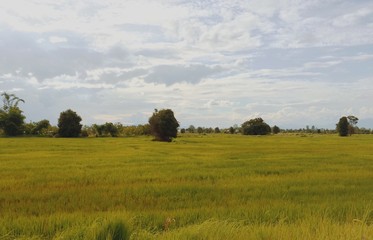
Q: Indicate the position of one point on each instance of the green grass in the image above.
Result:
(210, 186)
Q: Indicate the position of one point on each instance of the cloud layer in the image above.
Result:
(215, 63)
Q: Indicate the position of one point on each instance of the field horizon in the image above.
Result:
(214, 186)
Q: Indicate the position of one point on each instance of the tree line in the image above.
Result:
(162, 125)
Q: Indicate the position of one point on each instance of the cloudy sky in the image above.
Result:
(214, 62)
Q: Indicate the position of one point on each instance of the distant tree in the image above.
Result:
(69, 124)
(275, 129)
(182, 130)
(111, 129)
(255, 126)
(343, 126)
(163, 125)
(191, 129)
(232, 130)
(217, 130)
(11, 117)
(352, 120)
(41, 127)
(199, 130)
(98, 129)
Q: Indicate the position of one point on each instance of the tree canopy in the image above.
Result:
(343, 127)
(69, 124)
(163, 125)
(255, 126)
(11, 117)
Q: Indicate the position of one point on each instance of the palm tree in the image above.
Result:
(10, 101)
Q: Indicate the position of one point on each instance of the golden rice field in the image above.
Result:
(197, 187)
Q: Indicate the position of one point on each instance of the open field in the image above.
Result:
(199, 186)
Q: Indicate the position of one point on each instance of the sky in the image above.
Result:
(214, 63)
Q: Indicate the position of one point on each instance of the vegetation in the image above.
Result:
(352, 122)
(12, 124)
(256, 126)
(69, 124)
(11, 117)
(107, 129)
(41, 128)
(163, 125)
(276, 129)
(343, 127)
(216, 186)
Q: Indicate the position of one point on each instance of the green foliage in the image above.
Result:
(10, 101)
(69, 124)
(343, 127)
(107, 129)
(199, 130)
(41, 128)
(255, 126)
(191, 129)
(163, 125)
(11, 117)
(352, 120)
(11, 122)
(276, 129)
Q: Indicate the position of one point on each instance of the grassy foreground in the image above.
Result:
(197, 187)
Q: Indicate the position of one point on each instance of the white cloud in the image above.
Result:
(353, 18)
(56, 39)
(221, 61)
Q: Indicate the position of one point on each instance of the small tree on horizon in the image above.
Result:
(163, 125)
(276, 129)
(69, 124)
(343, 127)
(255, 126)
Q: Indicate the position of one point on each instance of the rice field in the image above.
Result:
(197, 187)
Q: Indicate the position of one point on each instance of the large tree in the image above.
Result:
(343, 127)
(69, 124)
(11, 117)
(163, 125)
(255, 126)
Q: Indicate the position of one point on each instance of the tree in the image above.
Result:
(352, 120)
(232, 130)
(163, 125)
(10, 101)
(111, 129)
(11, 118)
(342, 127)
(255, 126)
(41, 127)
(275, 129)
(69, 124)
(191, 129)
(199, 130)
